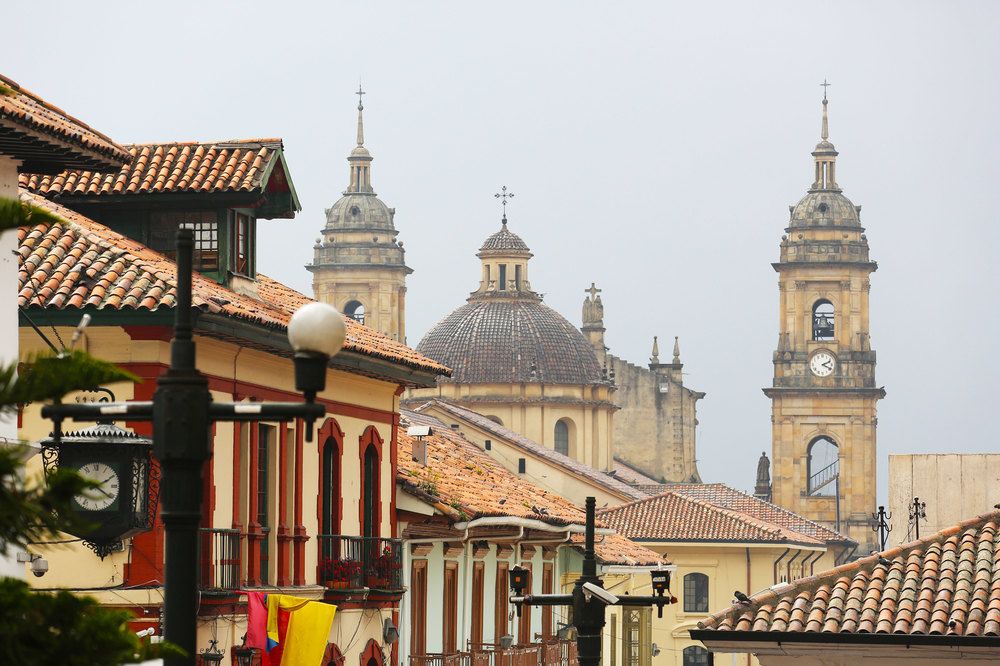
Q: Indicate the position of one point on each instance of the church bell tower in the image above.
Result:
(358, 265)
(824, 394)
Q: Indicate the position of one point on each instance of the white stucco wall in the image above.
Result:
(8, 322)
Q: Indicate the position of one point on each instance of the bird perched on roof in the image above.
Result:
(997, 505)
(742, 598)
(885, 561)
(539, 512)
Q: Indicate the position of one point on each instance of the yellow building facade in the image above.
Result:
(721, 541)
(824, 395)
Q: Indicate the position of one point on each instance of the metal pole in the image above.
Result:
(180, 444)
(588, 616)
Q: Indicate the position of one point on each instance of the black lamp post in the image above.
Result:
(589, 599)
(182, 412)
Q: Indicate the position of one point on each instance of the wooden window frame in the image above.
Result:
(449, 625)
(692, 598)
(418, 607)
(478, 600)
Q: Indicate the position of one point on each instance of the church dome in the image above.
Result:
(502, 341)
(359, 210)
(824, 208)
(504, 240)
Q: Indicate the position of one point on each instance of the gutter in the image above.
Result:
(529, 523)
(712, 638)
(777, 562)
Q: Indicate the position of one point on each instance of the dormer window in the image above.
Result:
(242, 244)
(163, 227)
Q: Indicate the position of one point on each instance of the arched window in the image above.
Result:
(823, 320)
(562, 437)
(695, 593)
(823, 467)
(329, 520)
(355, 310)
(696, 655)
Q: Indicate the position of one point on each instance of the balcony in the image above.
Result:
(219, 559)
(352, 563)
(552, 652)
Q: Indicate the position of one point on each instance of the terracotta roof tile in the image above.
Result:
(726, 497)
(519, 441)
(466, 483)
(157, 168)
(946, 584)
(676, 517)
(62, 265)
(23, 107)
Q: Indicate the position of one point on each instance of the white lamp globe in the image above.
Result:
(317, 328)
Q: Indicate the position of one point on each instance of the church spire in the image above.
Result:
(677, 349)
(825, 155)
(360, 159)
(361, 121)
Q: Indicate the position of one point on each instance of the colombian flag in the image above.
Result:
(288, 630)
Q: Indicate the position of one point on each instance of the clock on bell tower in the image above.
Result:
(824, 396)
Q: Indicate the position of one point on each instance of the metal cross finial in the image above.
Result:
(503, 195)
(593, 291)
(825, 86)
(359, 94)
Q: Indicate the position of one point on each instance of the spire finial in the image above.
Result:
(677, 349)
(503, 195)
(655, 358)
(825, 131)
(361, 107)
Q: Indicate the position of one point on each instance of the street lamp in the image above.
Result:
(182, 413)
(243, 654)
(589, 599)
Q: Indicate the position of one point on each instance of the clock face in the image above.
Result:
(109, 485)
(822, 364)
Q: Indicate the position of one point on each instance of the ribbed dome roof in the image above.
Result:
(359, 210)
(504, 240)
(824, 208)
(498, 340)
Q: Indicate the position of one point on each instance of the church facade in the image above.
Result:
(358, 265)
(655, 406)
(824, 394)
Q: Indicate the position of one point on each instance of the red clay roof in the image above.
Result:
(465, 483)
(26, 109)
(947, 584)
(178, 167)
(81, 263)
(477, 420)
(721, 495)
(674, 517)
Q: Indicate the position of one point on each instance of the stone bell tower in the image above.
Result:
(358, 265)
(824, 394)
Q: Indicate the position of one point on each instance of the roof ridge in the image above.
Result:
(194, 142)
(17, 87)
(773, 506)
(811, 583)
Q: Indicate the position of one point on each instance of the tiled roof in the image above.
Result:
(616, 549)
(465, 483)
(947, 584)
(180, 167)
(721, 495)
(81, 263)
(674, 517)
(504, 240)
(25, 109)
(632, 476)
(501, 341)
(611, 484)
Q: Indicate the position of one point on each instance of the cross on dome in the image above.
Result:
(503, 195)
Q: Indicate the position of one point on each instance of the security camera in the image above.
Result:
(590, 590)
(39, 566)
(418, 431)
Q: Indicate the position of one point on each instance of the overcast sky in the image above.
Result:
(653, 149)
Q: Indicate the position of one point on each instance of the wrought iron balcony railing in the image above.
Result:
(219, 559)
(351, 562)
